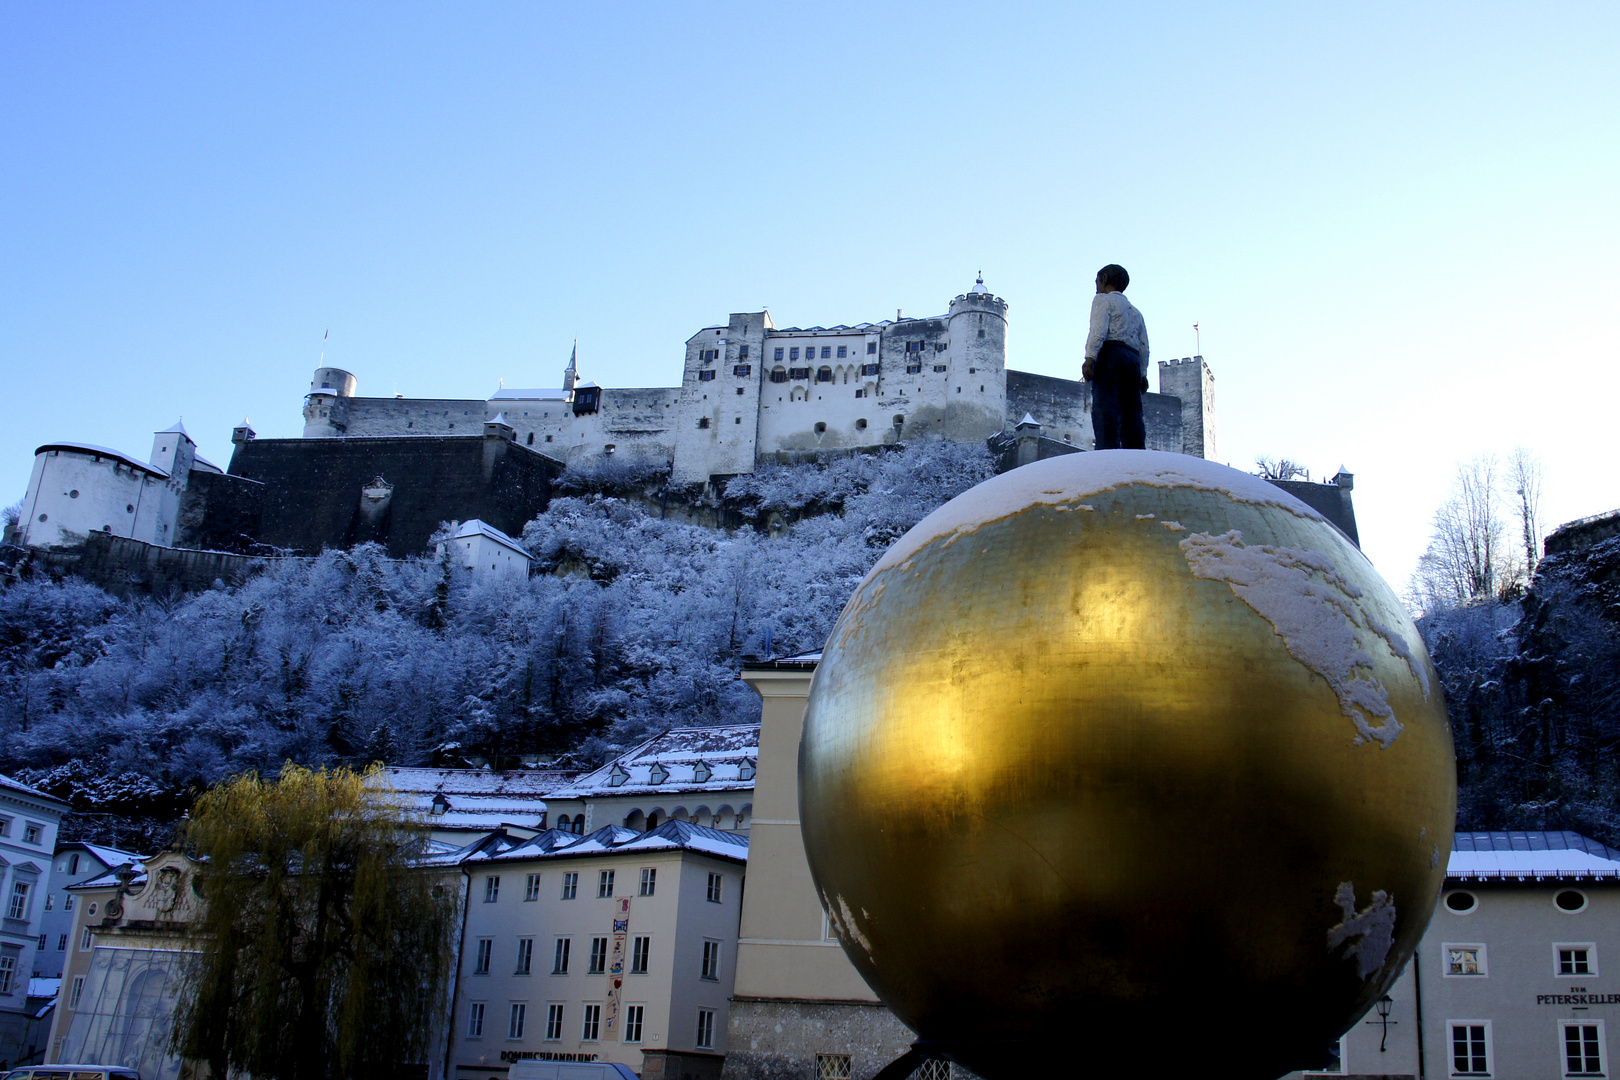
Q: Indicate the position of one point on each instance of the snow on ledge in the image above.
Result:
(1061, 482)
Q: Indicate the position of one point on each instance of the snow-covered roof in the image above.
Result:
(102, 451)
(473, 800)
(43, 988)
(798, 662)
(1532, 854)
(9, 784)
(479, 782)
(479, 527)
(612, 839)
(109, 856)
(177, 428)
(694, 759)
(545, 394)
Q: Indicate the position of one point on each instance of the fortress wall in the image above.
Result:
(126, 567)
(414, 416)
(219, 512)
(1063, 409)
(313, 488)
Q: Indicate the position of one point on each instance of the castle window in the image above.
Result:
(800, 373)
(914, 346)
(740, 391)
(703, 422)
(706, 376)
(780, 374)
(737, 420)
(940, 367)
(860, 425)
(860, 393)
(793, 353)
(973, 371)
(743, 370)
(826, 352)
(548, 438)
(913, 369)
(843, 351)
(824, 375)
(531, 438)
(899, 421)
(939, 346)
(821, 428)
(74, 494)
(778, 353)
(742, 352)
(869, 369)
(871, 347)
(981, 333)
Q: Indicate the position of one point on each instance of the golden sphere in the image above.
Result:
(1130, 760)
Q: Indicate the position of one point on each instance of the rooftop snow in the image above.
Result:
(9, 784)
(542, 394)
(730, 753)
(670, 836)
(103, 451)
(476, 782)
(479, 527)
(1535, 854)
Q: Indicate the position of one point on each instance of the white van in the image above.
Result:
(569, 1070)
(72, 1072)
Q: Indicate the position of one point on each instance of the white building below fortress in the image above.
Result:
(751, 391)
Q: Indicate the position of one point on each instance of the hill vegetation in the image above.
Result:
(633, 624)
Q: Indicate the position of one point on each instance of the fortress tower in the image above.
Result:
(326, 406)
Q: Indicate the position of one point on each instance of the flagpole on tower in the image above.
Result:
(1198, 347)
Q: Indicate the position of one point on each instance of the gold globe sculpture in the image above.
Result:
(1128, 761)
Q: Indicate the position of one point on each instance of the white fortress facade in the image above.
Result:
(751, 391)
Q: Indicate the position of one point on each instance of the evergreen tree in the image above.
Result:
(324, 944)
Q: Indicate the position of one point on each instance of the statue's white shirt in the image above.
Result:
(1114, 318)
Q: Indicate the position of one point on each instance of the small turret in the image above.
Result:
(243, 433)
(173, 450)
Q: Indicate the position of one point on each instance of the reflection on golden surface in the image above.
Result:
(1059, 790)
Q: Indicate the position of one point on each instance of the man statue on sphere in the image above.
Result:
(1116, 364)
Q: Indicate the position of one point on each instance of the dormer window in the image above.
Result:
(618, 776)
(440, 805)
(702, 772)
(747, 770)
(658, 774)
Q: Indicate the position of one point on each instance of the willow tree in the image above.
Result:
(323, 940)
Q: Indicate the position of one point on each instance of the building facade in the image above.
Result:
(77, 488)
(618, 945)
(28, 824)
(76, 861)
(122, 977)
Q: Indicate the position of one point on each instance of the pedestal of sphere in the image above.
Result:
(1127, 760)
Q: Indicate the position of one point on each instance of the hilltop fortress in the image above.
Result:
(751, 391)
(393, 470)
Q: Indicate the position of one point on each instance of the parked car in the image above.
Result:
(72, 1072)
(565, 1070)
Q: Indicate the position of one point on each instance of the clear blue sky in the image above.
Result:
(1395, 223)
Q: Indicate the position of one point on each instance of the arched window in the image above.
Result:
(565, 823)
(824, 374)
(635, 820)
(652, 820)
